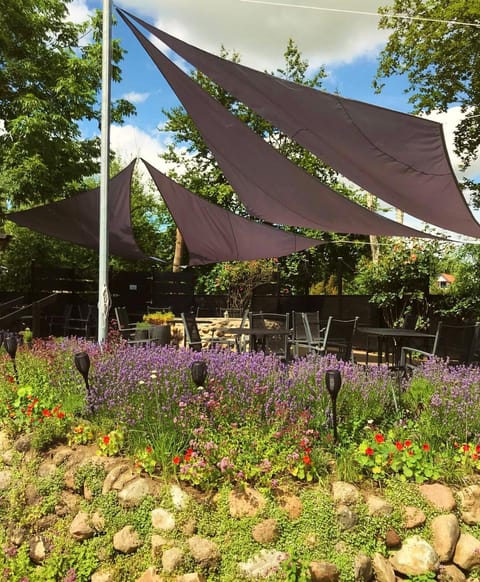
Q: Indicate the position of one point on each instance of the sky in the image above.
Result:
(347, 44)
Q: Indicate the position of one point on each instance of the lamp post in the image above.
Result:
(199, 373)
(82, 363)
(11, 345)
(333, 383)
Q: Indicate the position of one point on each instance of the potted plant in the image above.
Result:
(159, 317)
(161, 320)
(141, 330)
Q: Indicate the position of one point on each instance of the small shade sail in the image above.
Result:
(398, 157)
(213, 234)
(76, 219)
(271, 187)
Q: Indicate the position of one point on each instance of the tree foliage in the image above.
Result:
(462, 300)
(440, 57)
(28, 247)
(399, 283)
(50, 79)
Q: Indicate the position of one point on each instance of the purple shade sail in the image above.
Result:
(76, 219)
(398, 157)
(213, 234)
(271, 187)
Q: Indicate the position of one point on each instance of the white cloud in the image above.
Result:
(260, 33)
(449, 121)
(129, 142)
(78, 11)
(135, 97)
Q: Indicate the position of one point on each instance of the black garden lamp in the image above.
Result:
(82, 363)
(333, 382)
(11, 344)
(199, 372)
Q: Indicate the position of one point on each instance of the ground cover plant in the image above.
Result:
(256, 421)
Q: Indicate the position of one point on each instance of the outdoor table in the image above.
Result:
(255, 332)
(395, 334)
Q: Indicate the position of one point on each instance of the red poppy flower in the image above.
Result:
(189, 452)
(475, 457)
(176, 460)
(466, 448)
(10, 379)
(46, 412)
(426, 447)
(408, 443)
(187, 458)
(379, 438)
(399, 445)
(148, 449)
(369, 451)
(477, 449)
(106, 439)
(307, 460)
(410, 453)
(60, 415)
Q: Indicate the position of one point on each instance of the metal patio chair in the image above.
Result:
(337, 338)
(458, 344)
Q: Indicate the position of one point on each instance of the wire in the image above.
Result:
(400, 16)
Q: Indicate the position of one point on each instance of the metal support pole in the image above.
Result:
(103, 292)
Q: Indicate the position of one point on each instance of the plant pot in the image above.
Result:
(161, 335)
(141, 334)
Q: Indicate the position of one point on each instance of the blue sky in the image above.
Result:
(346, 43)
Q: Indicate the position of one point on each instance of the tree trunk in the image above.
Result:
(177, 257)
(374, 246)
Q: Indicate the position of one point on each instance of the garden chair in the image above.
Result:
(299, 337)
(85, 324)
(191, 333)
(270, 342)
(58, 324)
(242, 341)
(337, 338)
(458, 344)
(130, 331)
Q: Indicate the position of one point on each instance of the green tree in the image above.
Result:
(28, 247)
(49, 83)
(201, 174)
(433, 45)
(399, 282)
(462, 299)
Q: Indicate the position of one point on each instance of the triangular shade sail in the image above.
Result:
(398, 157)
(213, 234)
(271, 187)
(76, 219)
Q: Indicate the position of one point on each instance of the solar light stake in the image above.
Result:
(333, 383)
(11, 345)
(82, 363)
(199, 373)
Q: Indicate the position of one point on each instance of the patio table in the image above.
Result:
(258, 332)
(394, 334)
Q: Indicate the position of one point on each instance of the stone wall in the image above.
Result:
(444, 547)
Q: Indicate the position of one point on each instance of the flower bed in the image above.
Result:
(256, 422)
